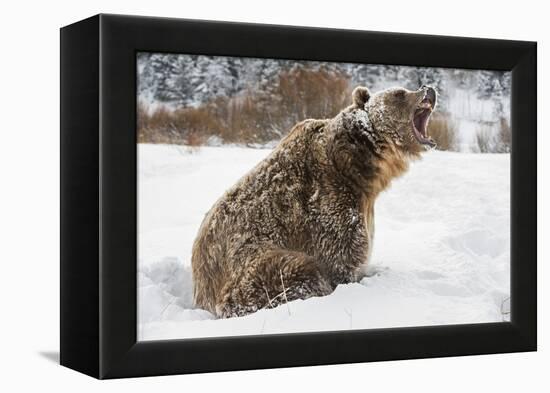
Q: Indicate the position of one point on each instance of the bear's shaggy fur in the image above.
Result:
(302, 221)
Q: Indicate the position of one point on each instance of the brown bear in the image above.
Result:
(302, 221)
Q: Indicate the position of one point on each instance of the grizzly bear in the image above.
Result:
(302, 221)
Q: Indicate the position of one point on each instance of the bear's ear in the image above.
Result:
(360, 96)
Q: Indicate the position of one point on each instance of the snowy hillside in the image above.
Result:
(472, 99)
(183, 80)
(441, 253)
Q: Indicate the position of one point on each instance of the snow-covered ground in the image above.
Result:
(441, 251)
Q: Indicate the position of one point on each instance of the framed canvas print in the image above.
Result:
(298, 196)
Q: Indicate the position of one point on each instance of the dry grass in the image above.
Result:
(504, 137)
(253, 117)
(444, 131)
(154, 126)
(310, 94)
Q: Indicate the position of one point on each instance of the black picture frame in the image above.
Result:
(98, 196)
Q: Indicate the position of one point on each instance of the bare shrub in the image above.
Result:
(194, 140)
(253, 116)
(196, 123)
(299, 94)
(484, 139)
(444, 131)
(494, 138)
(154, 126)
(142, 129)
(246, 122)
(503, 142)
(305, 93)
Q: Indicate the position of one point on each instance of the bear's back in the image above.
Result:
(265, 206)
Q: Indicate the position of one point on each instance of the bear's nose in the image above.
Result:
(430, 93)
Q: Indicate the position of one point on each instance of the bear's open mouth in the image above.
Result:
(420, 121)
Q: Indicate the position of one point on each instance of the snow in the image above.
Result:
(441, 249)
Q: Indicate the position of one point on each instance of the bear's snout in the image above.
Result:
(429, 94)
